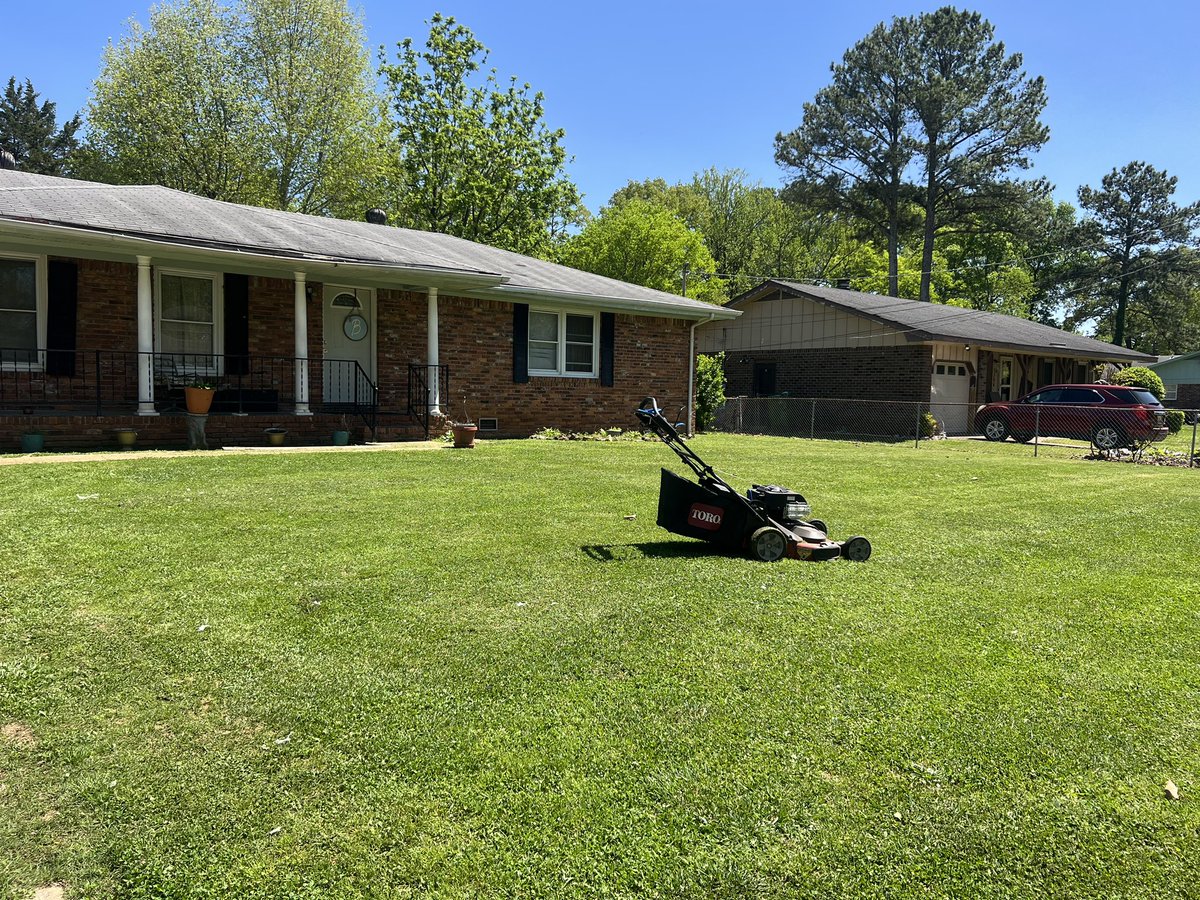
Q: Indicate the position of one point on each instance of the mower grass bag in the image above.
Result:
(769, 522)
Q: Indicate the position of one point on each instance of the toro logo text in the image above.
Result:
(704, 516)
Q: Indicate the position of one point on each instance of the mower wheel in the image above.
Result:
(857, 549)
(768, 544)
(995, 429)
(819, 524)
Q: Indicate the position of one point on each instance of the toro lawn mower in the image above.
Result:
(769, 523)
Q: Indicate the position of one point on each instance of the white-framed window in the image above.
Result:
(22, 311)
(188, 320)
(563, 343)
(1171, 392)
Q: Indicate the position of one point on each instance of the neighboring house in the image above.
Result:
(805, 341)
(1181, 378)
(112, 297)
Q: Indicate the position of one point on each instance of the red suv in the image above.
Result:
(1105, 414)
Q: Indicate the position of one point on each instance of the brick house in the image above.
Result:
(1181, 378)
(113, 297)
(834, 343)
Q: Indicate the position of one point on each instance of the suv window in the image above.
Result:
(1051, 396)
(1080, 395)
(1138, 395)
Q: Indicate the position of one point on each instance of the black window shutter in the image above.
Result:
(62, 283)
(237, 324)
(608, 330)
(520, 343)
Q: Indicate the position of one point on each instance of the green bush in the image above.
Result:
(929, 425)
(1175, 420)
(710, 388)
(1140, 376)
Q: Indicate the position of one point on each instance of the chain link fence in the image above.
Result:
(1168, 436)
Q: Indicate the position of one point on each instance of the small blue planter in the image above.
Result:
(33, 443)
(341, 438)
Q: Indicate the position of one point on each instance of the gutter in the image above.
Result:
(692, 368)
(512, 294)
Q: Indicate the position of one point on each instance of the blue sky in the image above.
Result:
(663, 89)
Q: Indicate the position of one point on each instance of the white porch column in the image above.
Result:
(431, 355)
(145, 338)
(301, 353)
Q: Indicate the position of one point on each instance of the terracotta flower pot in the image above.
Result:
(464, 436)
(199, 400)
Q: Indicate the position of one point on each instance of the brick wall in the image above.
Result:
(1188, 397)
(862, 373)
(649, 358)
(650, 355)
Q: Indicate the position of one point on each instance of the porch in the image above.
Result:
(79, 398)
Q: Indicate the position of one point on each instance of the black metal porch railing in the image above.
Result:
(420, 402)
(106, 382)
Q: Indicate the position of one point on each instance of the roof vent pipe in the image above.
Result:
(377, 216)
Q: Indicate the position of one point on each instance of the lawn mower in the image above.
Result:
(769, 523)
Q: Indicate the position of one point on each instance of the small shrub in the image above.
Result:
(929, 425)
(547, 434)
(710, 389)
(1140, 376)
(1175, 419)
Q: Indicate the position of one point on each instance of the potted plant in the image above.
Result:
(275, 436)
(341, 437)
(126, 437)
(33, 441)
(464, 431)
(198, 393)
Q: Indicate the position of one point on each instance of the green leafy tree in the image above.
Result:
(710, 388)
(978, 118)
(30, 131)
(269, 102)
(316, 111)
(1141, 243)
(648, 245)
(852, 149)
(474, 160)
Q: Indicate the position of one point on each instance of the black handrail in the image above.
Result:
(420, 406)
(99, 382)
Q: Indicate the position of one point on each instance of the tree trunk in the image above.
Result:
(893, 258)
(931, 188)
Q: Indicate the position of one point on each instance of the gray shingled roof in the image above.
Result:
(164, 214)
(936, 321)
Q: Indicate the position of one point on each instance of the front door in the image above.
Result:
(349, 321)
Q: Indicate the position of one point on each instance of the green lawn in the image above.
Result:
(467, 674)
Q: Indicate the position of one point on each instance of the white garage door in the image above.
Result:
(950, 397)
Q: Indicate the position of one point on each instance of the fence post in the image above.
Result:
(812, 421)
(1037, 428)
(917, 430)
(1195, 420)
(99, 388)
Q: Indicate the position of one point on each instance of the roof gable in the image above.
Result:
(922, 321)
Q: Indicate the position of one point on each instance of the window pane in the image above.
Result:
(543, 327)
(543, 355)
(17, 284)
(579, 358)
(19, 330)
(189, 299)
(186, 337)
(579, 328)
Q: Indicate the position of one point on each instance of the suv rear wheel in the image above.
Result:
(1108, 437)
